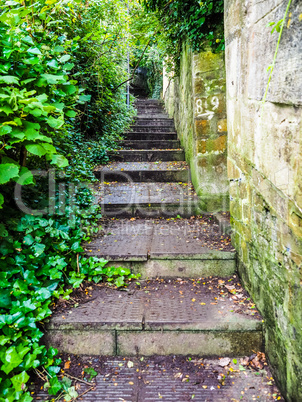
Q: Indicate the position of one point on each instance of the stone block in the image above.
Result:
(233, 189)
(218, 145)
(206, 61)
(148, 343)
(202, 128)
(202, 149)
(82, 342)
(194, 268)
(235, 209)
(242, 190)
(222, 125)
(246, 213)
(199, 87)
(233, 171)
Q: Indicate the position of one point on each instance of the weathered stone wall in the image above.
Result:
(196, 101)
(265, 172)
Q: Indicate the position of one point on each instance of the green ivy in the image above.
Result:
(58, 109)
(198, 22)
(38, 256)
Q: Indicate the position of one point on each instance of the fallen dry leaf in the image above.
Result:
(67, 365)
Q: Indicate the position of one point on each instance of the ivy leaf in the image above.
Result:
(28, 240)
(43, 294)
(5, 298)
(53, 63)
(32, 61)
(71, 113)
(38, 249)
(55, 386)
(119, 282)
(19, 381)
(10, 359)
(64, 58)
(68, 66)
(71, 394)
(4, 339)
(7, 172)
(66, 383)
(84, 98)
(59, 49)
(34, 50)
(91, 372)
(28, 39)
(77, 247)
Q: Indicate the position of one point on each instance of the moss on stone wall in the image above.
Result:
(265, 171)
(196, 101)
(270, 256)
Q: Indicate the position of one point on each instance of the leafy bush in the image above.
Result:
(59, 67)
(199, 23)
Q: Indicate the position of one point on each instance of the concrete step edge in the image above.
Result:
(148, 343)
(214, 255)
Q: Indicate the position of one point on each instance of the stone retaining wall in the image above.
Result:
(265, 172)
(196, 101)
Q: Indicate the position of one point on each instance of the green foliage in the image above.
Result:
(152, 60)
(38, 256)
(91, 372)
(53, 72)
(35, 87)
(199, 23)
(148, 47)
(58, 108)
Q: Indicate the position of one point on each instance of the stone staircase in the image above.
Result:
(189, 300)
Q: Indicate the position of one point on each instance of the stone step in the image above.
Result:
(154, 122)
(151, 136)
(153, 129)
(144, 172)
(152, 116)
(149, 155)
(184, 317)
(148, 199)
(148, 101)
(165, 247)
(145, 104)
(149, 109)
(158, 145)
(171, 379)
